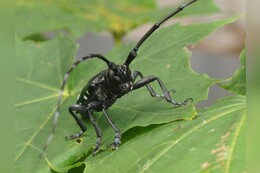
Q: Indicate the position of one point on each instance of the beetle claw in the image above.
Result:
(114, 145)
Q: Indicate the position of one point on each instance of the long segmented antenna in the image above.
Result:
(65, 79)
(133, 53)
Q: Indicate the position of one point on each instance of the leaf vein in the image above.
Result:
(36, 100)
(34, 135)
(36, 84)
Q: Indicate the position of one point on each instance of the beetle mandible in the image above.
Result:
(102, 90)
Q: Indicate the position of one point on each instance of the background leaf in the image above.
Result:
(81, 16)
(40, 67)
(237, 84)
(38, 77)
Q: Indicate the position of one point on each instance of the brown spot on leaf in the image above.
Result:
(221, 151)
(205, 165)
(225, 137)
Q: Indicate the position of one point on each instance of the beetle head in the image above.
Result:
(120, 75)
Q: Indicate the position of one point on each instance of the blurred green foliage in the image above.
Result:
(6, 74)
(80, 16)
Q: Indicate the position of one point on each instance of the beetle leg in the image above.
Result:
(148, 86)
(117, 141)
(80, 109)
(98, 133)
(83, 110)
(146, 80)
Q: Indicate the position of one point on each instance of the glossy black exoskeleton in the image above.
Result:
(106, 87)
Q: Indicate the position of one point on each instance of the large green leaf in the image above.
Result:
(237, 84)
(213, 142)
(80, 16)
(39, 70)
(38, 76)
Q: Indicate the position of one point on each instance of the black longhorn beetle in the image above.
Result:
(106, 87)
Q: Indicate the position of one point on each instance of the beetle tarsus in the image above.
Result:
(115, 145)
(73, 136)
(97, 147)
(185, 102)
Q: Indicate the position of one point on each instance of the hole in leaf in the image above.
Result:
(79, 141)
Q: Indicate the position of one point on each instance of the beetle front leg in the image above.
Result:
(148, 86)
(117, 141)
(146, 80)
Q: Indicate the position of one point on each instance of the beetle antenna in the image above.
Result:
(111, 65)
(133, 53)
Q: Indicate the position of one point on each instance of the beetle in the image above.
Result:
(103, 90)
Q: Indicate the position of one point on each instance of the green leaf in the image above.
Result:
(213, 142)
(81, 16)
(38, 76)
(39, 71)
(237, 84)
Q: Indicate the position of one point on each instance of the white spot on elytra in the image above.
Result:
(85, 97)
